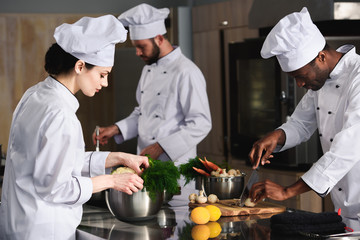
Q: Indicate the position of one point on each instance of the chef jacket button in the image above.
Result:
(320, 135)
(318, 108)
(156, 116)
(149, 70)
(340, 189)
(331, 139)
(164, 72)
(337, 86)
(158, 93)
(140, 113)
(329, 112)
(153, 138)
(142, 91)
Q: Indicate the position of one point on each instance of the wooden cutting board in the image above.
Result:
(229, 207)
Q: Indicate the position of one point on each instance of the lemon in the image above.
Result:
(200, 215)
(200, 232)
(215, 229)
(214, 211)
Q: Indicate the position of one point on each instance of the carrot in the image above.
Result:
(202, 172)
(213, 166)
(205, 165)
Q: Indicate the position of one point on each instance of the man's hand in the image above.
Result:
(274, 191)
(127, 183)
(262, 149)
(105, 133)
(154, 151)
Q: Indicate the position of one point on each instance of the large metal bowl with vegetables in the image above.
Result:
(159, 177)
(212, 179)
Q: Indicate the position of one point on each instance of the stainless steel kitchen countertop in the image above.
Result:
(174, 223)
(170, 223)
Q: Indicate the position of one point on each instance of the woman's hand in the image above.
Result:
(127, 159)
(127, 183)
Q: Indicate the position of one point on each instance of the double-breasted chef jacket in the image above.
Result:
(335, 111)
(47, 169)
(173, 108)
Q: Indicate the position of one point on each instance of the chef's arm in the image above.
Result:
(105, 133)
(262, 149)
(272, 190)
(126, 182)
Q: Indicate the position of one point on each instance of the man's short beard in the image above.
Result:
(155, 53)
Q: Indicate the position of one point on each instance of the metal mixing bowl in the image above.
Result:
(136, 207)
(224, 187)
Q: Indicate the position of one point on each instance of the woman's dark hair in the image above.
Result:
(58, 61)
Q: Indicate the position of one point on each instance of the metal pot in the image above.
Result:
(136, 207)
(224, 187)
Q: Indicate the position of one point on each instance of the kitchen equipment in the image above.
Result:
(230, 207)
(224, 187)
(136, 207)
(254, 177)
(97, 132)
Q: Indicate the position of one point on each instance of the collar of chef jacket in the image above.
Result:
(67, 95)
(349, 51)
(170, 57)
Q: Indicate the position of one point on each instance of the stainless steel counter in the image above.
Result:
(174, 223)
(170, 223)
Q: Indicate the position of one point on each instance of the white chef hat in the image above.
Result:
(145, 21)
(92, 39)
(295, 41)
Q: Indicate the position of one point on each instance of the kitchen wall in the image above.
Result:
(26, 29)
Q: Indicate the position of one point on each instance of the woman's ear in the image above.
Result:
(79, 66)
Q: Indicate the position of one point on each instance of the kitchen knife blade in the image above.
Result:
(254, 177)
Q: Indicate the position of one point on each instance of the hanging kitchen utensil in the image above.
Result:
(97, 132)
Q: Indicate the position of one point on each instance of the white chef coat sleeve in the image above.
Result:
(197, 121)
(302, 123)
(55, 178)
(95, 164)
(129, 126)
(344, 150)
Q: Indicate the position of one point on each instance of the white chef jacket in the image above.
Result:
(335, 111)
(44, 187)
(173, 108)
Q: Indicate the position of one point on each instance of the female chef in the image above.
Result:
(48, 175)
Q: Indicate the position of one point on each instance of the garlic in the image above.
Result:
(223, 174)
(249, 203)
(232, 172)
(212, 198)
(201, 198)
(192, 197)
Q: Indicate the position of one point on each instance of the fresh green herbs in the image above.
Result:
(188, 172)
(160, 176)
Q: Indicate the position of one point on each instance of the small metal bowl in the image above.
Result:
(224, 187)
(136, 207)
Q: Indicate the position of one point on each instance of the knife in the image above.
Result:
(254, 177)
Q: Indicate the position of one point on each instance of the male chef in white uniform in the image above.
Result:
(173, 114)
(331, 105)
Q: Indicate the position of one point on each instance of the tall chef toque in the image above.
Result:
(295, 41)
(92, 39)
(144, 21)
